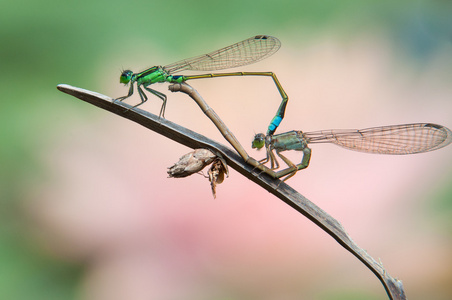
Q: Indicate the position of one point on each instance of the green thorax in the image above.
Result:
(155, 75)
(292, 140)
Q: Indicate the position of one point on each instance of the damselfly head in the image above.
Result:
(258, 141)
(125, 76)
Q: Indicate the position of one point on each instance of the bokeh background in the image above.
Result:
(87, 211)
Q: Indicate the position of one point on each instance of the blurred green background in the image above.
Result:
(87, 43)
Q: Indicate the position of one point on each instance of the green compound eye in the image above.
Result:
(125, 76)
(258, 141)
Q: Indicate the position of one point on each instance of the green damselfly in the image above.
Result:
(393, 139)
(242, 53)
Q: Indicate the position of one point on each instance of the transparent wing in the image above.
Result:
(394, 139)
(242, 53)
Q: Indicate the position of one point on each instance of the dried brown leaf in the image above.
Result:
(190, 163)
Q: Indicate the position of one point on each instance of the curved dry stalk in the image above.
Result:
(393, 287)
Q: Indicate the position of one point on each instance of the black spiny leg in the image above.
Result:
(120, 99)
(143, 98)
(161, 96)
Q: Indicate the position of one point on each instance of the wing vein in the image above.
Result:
(239, 54)
(394, 139)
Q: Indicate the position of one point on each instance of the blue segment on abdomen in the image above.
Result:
(274, 124)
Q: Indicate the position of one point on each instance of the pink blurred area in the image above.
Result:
(142, 235)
